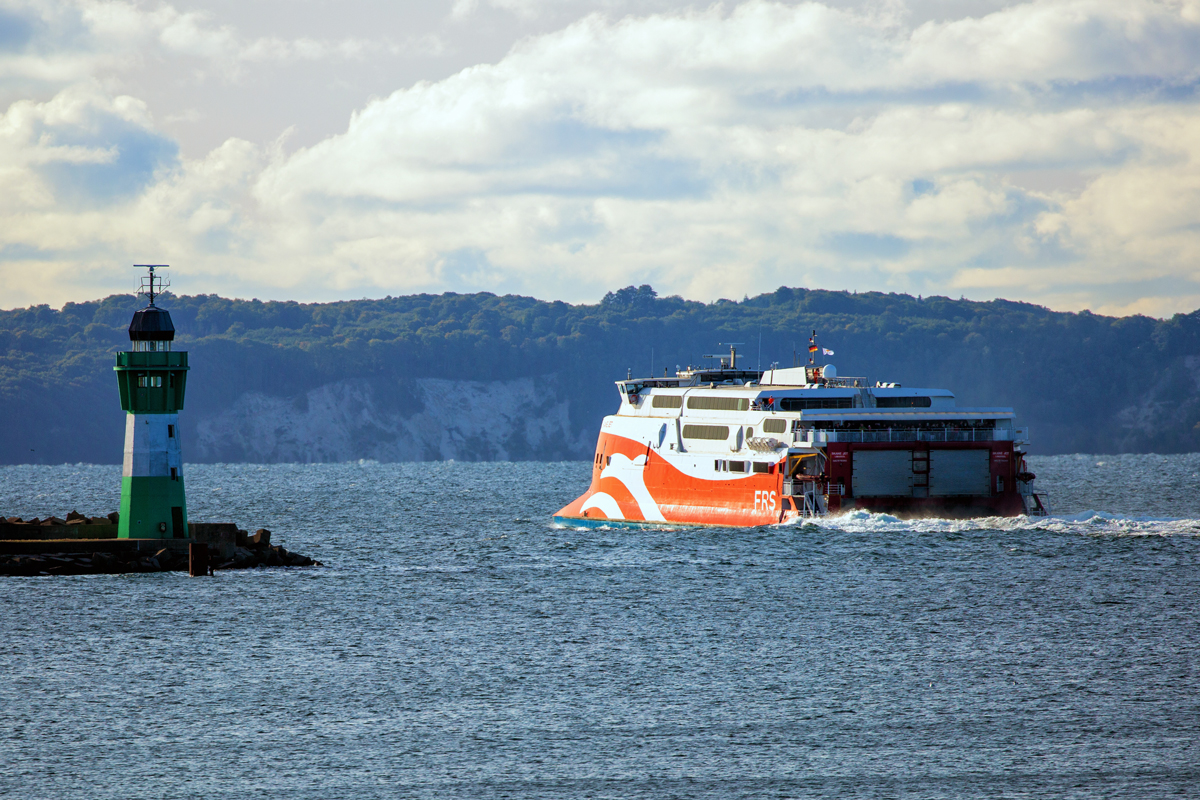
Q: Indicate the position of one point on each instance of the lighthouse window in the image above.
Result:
(170, 431)
(774, 425)
(174, 474)
(715, 432)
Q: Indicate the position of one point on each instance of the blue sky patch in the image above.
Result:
(868, 245)
(15, 32)
(139, 154)
(25, 252)
(921, 186)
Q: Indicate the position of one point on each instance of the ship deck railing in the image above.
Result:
(905, 435)
(808, 494)
(801, 484)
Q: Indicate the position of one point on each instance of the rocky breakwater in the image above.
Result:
(97, 563)
(64, 547)
(248, 551)
(74, 526)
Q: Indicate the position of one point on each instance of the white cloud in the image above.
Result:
(711, 152)
(85, 39)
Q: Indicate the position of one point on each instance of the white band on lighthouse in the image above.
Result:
(152, 446)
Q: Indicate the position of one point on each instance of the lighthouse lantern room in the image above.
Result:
(152, 378)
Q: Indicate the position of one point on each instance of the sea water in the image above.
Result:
(456, 644)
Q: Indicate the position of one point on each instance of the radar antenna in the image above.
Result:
(152, 285)
(732, 354)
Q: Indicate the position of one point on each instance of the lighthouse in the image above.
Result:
(152, 378)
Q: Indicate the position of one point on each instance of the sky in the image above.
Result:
(1044, 151)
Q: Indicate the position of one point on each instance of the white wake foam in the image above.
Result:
(1089, 523)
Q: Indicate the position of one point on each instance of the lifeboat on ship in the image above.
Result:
(732, 447)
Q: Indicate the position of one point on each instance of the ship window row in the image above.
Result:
(667, 401)
(809, 403)
(724, 465)
(905, 425)
(718, 403)
(903, 402)
(714, 432)
(774, 426)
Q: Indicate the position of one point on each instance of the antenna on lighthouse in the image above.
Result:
(152, 285)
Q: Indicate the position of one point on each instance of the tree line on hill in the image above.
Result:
(1083, 382)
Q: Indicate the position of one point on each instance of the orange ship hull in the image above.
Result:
(633, 485)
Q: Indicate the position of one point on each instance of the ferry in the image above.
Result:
(725, 446)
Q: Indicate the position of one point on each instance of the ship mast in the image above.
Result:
(732, 354)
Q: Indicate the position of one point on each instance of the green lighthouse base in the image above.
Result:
(152, 496)
(152, 508)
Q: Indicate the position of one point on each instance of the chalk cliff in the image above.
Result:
(425, 420)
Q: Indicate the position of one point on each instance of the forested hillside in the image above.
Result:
(481, 376)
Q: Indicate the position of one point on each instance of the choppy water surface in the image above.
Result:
(458, 645)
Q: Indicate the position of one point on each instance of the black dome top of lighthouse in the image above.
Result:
(151, 324)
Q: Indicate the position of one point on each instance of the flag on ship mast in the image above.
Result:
(826, 351)
(812, 348)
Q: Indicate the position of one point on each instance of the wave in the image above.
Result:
(1090, 522)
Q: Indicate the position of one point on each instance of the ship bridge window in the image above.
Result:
(718, 403)
(714, 432)
(903, 402)
(810, 403)
(667, 401)
(774, 425)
